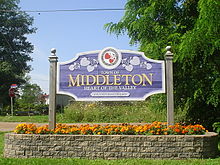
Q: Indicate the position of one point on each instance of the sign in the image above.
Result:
(111, 75)
(12, 92)
(14, 85)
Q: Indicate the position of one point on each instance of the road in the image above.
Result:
(10, 126)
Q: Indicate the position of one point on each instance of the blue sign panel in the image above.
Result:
(111, 75)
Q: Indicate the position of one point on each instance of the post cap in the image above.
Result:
(168, 48)
(169, 54)
(53, 51)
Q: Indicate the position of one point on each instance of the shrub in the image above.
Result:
(216, 127)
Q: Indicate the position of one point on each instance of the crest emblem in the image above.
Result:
(109, 58)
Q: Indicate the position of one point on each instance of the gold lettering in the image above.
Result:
(88, 78)
(73, 82)
(137, 79)
(126, 79)
(82, 78)
(98, 79)
(133, 79)
(117, 78)
(150, 81)
(107, 80)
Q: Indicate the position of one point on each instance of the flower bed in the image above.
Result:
(154, 140)
(156, 128)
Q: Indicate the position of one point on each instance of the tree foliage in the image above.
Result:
(30, 96)
(192, 28)
(14, 47)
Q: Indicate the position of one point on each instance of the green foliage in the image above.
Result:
(192, 28)
(30, 99)
(198, 56)
(150, 24)
(1, 143)
(120, 112)
(112, 112)
(14, 49)
(216, 127)
(30, 94)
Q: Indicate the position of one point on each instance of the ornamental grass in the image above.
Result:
(155, 128)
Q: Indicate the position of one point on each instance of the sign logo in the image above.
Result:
(109, 58)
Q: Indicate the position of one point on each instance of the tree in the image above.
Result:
(30, 96)
(192, 28)
(14, 47)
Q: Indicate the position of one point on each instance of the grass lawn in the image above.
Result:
(31, 119)
(72, 161)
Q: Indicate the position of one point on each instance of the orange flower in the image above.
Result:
(154, 128)
(177, 130)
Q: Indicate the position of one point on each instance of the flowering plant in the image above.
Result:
(25, 128)
(155, 128)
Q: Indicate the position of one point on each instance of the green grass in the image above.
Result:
(111, 112)
(72, 161)
(1, 143)
(118, 112)
(35, 161)
(31, 119)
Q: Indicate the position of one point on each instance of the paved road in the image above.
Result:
(10, 126)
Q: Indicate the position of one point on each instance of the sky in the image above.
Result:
(70, 32)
